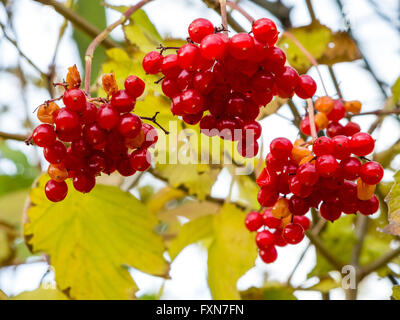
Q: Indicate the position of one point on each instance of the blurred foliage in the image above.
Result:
(393, 202)
(41, 293)
(270, 291)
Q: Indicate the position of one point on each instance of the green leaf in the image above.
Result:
(92, 238)
(393, 203)
(314, 37)
(191, 232)
(42, 293)
(396, 91)
(396, 292)
(94, 12)
(339, 238)
(232, 253)
(270, 291)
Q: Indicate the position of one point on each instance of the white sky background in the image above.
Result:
(37, 29)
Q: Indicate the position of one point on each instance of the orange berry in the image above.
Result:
(309, 158)
(324, 104)
(135, 142)
(47, 112)
(365, 191)
(286, 220)
(321, 120)
(57, 173)
(353, 106)
(281, 208)
(109, 83)
(298, 153)
(299, 143)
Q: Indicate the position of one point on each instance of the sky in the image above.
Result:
(378, 39)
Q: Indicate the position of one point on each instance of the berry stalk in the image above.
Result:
(310, 108)
(100, 38)
(238, 8)
(222, 4)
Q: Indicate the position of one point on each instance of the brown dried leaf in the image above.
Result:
(109, 83)
(341, 48)
(73, 77)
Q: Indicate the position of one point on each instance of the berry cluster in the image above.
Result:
(91, 136)
(334, 177)
(223, 82)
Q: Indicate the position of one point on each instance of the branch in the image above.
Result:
(154, 120)
(222, 4)
(13, 136)
(102, 36)
(278, 9)
(235, 6)
(335, 82)
(379, 263)
(376, 112)
(320, 246)
(310, 108)
(78, 22)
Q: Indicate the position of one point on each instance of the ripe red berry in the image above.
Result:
(188, 56)
(267, 197)
(213, 47)
(303, 221)
(75, 100)
(124, 167)
(269, 220)
(307, 174)
(299, 189)
(192, 102)
(369, 207)
(298, 206)
(44, 135)
(334, 129)
(326, 165)
(140, 159)
(288, 79)
(338, 112)
(107, 117)
(267, 178)
(264, 30)
(170, 67)
(152, 62)
(241, 46)
(362, 144)
(305, 126)
(323, 145)
(351, 128)
(66, 120)
(341, 147)
(84, 183)
(122, 101)
(134, 86)
(81, 148)
(200, 28)
(269, 254)
(371, 172)
(253, 221)
(150, 134)
(55, 153)
(330, 212)
(89, 114)
(96, 163)
(56, 191)
(306, 87)
(129, 125)
(350, 168)
(93, 134)
(293, 233)
(281, 148)
(264, 239)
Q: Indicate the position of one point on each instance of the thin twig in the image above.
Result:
(235, 6)
(310, 107)
(311, 10)
(379, 263)
(13, 136)
(223, 16)
(154, 120)
(335, 82)
(298, 264)
(79, 22)
(102, 36)
(376, 112)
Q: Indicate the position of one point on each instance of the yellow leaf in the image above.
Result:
(162, 197)
(91, 238)
(232, 253)
(41, 293)
(341, 48)
(191, 232)
(393, 203)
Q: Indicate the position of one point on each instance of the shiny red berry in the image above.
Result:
(323, 145)
(134, 86)
(306, 87)
(152, 62)
(362, 144)
(200, 28)
(281, 148)
(107, 117)
(56, 191)
(253, 221)
(265, 30)
(84, 183)
(75, 100)
(44, 135)
(122, 101)
(269, 254)
(293, 233)
(326, 165)
(371, 172)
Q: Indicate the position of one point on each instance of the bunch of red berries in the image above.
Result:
(222, 82)
(91, 136)
(296, 179)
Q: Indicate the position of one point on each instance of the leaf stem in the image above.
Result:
(154, 120)
(102, 36)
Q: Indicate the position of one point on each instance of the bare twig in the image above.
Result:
(154, 120)
(13, 136)
(239, 9)
(335, 82)
(310, 107)
(379, 263)
(377, 113)
(223, 15)
(102, 36)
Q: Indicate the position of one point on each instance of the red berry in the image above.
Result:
(213, 47)
(55, 153)
(298, 206)
(241, 46)
(56, 191)
(44, 135)
(107, 117)
(267, 178)
(66, 120)
(348, 192)
(188, 56)
(305, 126)
(264, 239)
(264, 30)
(288, 79)
(269, 254)
(200, 28)
(80, 148)
(350, 168)
(267, 197)
(253, 221)
(279, 240)
(124, 167)
(326, 165)
(342, 147)
(299, 189)
(293, 233)
(152, 62)
(362, 144)
(306, 87)
(150, 134)
(192, 102)
(134, 86)
(369, 207)
(93, 134)
(170, 88)
(84, 183)
(275, 60)
(122, 101)
(129, 125)
(323, 145)
(351, 128)
(330, 212)
(252, 128)
(75, 100)
(170, 67)
(96, 163)
(281, 148)
(307, 174)
(269, 220)
(338, 112)
(88, 115)
(192, 119)
(371, 172)
(334, 129)
(303, 221)
(140, 159)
